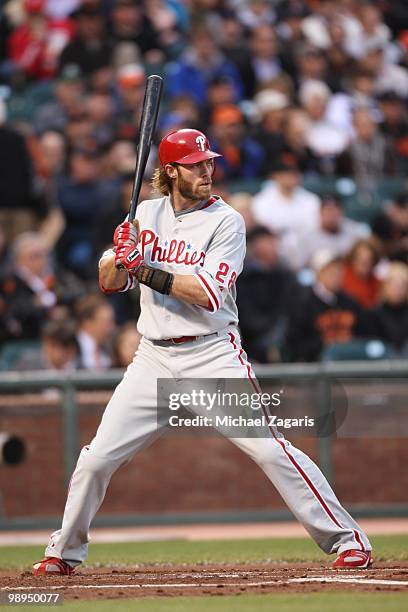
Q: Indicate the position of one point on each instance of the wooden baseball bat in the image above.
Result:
(148, 120)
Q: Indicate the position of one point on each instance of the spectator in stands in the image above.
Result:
(324, 315)
(27, 288)
(168, 22)
(130, 23)
(295, 134)
(393, 114)
(200, 64)
(325, 140)
(335, 233)
(315, 26)
(359, 93)
(21, 204)
(393, 310)
(394, 126)
(50, 161)
(360, 281)
(187, 108)
(53, 154)
(390, 226)
(339, 61)
(59, 349)
(96, 325)
(289, 30)
(80, 135)
(242, 202)
(131, 79)
(373, 31)
(311, 65)
(101, 80)
(220, 92)
(262, 63)
(265, 290)
(256, 13)
(283, 205)
(61, 8)
(171, 122)
(242, 157)
(90, 49)
(125, 53)
(234, 46)
(389, 76)
(272, 108)
(125, 345)
(119, 159)
(395, 15)
(82, 197)
(100, 112)
(369, 157)
(35, 45)
(350, 15)
(69, 94)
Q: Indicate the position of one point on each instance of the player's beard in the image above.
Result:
(187, 191)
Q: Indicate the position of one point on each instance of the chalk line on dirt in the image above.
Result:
(320, 579)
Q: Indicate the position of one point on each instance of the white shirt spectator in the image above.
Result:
(258, 15)
(91, 355)
(324, 138)
(59, 9)
(316, 31)
(314, 28)
(338, 243)
(361, 41)
(340, 111)
(286, 215)
(393, 78)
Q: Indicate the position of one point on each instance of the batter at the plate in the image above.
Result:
(186, 252)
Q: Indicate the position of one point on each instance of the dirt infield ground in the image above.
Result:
(218, 580)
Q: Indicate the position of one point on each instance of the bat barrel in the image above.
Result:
(150, 111)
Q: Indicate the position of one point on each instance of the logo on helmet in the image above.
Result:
(200, 140)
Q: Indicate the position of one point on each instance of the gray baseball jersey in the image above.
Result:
(207, 241)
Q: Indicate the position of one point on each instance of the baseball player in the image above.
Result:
(186, 252)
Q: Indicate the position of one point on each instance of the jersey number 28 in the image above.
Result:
(221, 275)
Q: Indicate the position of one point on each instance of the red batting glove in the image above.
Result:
(126, 233)
(128, 257)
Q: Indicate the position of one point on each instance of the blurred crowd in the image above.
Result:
(307, 102)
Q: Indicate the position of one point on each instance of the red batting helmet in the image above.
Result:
(34, 6)
(185, 147)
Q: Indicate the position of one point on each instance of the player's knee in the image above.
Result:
(267, 452)
(88, 463)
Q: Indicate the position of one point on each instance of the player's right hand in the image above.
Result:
(126, 233)
(128, 257)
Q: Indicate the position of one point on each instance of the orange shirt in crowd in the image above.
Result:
(365, 291)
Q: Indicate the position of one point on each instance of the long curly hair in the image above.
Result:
(161, 182)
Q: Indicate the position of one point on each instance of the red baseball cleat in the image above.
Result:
(350, 559)
(52, 566)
